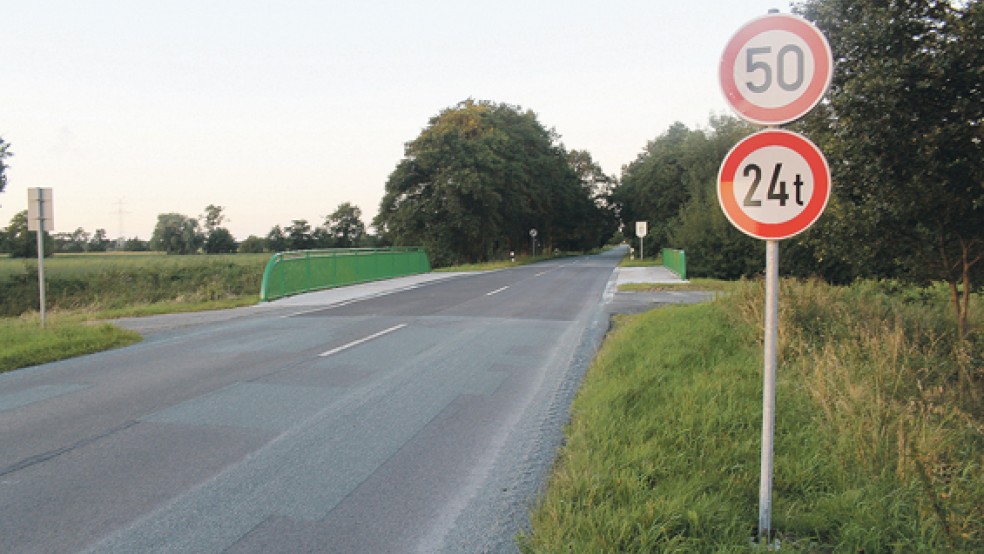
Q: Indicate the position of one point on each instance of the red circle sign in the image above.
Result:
(775, 69)
(774, 184)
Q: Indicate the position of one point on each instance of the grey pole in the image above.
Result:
(769, 388)
(40, 233)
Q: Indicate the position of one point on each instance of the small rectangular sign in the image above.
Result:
(641, 228)
(40, 207)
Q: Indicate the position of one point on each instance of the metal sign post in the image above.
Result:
(769, 389)
(40, 216)
(773, 184)
(533, 241)
(641, 231)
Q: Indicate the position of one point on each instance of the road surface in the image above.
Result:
(420, 420)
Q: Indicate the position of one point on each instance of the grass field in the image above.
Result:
(71, 265)
(94, 282)
(85, 288)
(879, 437)
(23, 343)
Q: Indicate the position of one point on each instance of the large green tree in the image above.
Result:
(476, 180)
(344, 226)
(653, 186)
(672, 186)
(902, 129)
(177, 234)
(218, 239)
(21, 243)
(596, 223)
(300, 236)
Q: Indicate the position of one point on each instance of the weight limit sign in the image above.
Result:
(774, 184)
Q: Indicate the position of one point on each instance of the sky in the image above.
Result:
(282, 110)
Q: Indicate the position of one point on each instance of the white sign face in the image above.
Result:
(532, 232)
(770, 183)
(40, 206)
(776, 69)
(641, 228)
(774, 184)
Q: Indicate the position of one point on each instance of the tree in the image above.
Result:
(476, 180)
(220, 241)
(276, 239)
(903, 131)
(252, 245)
(299, 236)
(135, 245)
(213, 218)
(345, 226)
(21, 243)
(672, 186)
(594, 225)
(4, 154)
(99, 241)
(653, 187)
(176, 234)
(76, 241)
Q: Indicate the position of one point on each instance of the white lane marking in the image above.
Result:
(496, 291)
(611, 287)
(362, 340)
(555, 268)
(347, 302)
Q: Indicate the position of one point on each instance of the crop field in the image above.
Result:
(114, 280)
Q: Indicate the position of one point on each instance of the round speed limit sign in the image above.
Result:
(774, 184)
(775, 69)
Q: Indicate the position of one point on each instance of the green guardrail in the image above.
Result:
(289, 273)
(675, 261)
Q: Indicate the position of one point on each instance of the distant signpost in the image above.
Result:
(641, 230)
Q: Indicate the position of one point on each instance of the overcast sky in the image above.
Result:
(283, 110)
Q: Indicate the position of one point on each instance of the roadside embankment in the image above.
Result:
(880, 429)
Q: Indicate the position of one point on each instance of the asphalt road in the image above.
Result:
(423, 420)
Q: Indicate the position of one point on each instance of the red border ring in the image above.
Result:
(823, 62)
(785, 139)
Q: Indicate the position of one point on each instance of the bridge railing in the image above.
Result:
(675, 261)
(289, 273)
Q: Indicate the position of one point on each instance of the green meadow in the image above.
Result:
(83, 289)
(879, 429)
(95, 282)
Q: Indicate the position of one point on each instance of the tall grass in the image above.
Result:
(23, 344)
(105, 282)
(879, 437)
(898, 399)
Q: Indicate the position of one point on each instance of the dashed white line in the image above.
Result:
(362, 340)
(496, 291)
(347, 302)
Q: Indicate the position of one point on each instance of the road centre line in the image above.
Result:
(350, 301)
(555, 268)
(496, 291)
(362, 340)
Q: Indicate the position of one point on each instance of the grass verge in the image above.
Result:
(879, 438)
(23, 343)
(693, 284)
